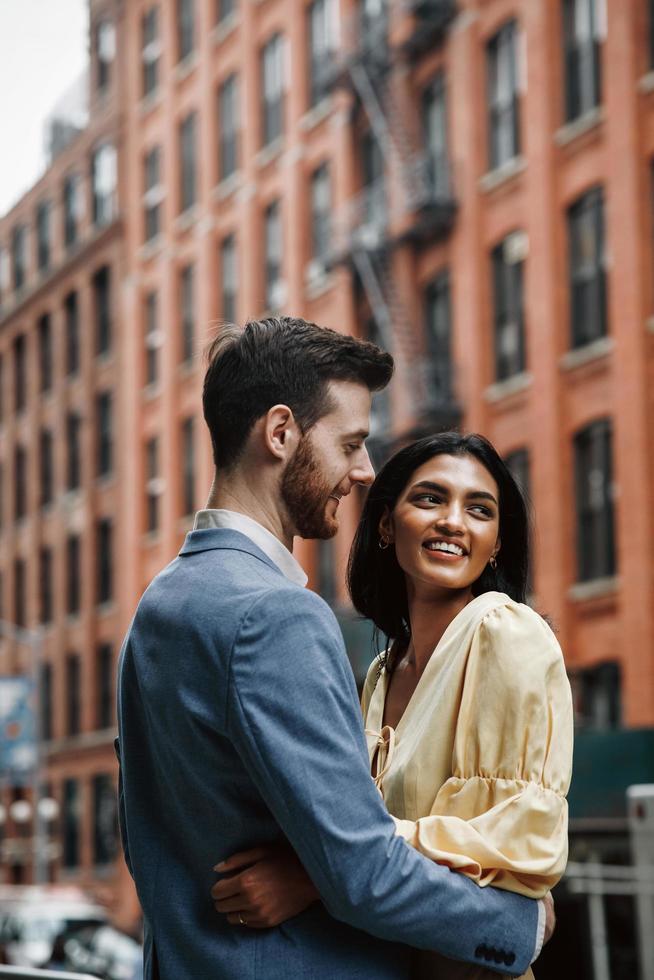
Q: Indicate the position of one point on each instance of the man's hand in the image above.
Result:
(263, 887)
(550, 917)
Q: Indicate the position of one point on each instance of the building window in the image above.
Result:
(228, 119)
(105, 52)
(272, 86)
(104, 678)
(5, 274)
(105, 828)
(73, 577)
(45, 702)
(596, 693)
(20, 483)
(517, 463)
(273, 256)
(45, 585)
(594, 497)
(44, 331)
(322, 20)
(43, 235)
(19, 255)
(152, 486)
(152, 339)
(20, 592)
(2, 499)
(104, 560)
(20, 372)
(373, 182)
(46, 467)
(380, 416)
(321, 206)
(503, 101)
(508, 311)
(72, 208)
(438, 321)
(185, 28)
(588, 312)
(70, 823)
(73, 450)
(187, 158)
(434, 126)
(151, 50)
(71, 316)
(154, 193)
(188, 466)
(581, 44)
(224, 9)
(101, 285)
(229, 274)
(187, 312)
(104, 178)
(104, 433)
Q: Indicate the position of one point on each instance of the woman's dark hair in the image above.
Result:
(376, 582)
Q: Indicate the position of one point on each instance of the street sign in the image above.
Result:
(18, 749)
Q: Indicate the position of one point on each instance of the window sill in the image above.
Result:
(594, 351)
(269, 152)
(150, 102)
(597, 588)
(225, 27)
(187, 218)
(151, 538)
(316, 114)
(646, 83)
(317, 279)
(511, 386)
(187, 368)
(225, 188)
(105, 480)
(151, 391)
(105, 608)
(151, 248)
(578, 127)
(185, 67)
(75, 743)
(502, 175)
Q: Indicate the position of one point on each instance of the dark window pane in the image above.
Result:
(503, 96)
(228, 126)
(508, 311)
(71, 314)
(20, 482)
(102, 309)
(272, 88)
(72, 208)
(188, 462)
(46, 702)
(273, 255)
(104, 433)
(229, 273)
(73, 694)
(153, 484)
(70, 819)
(104, 178)
(104, 686)
(19, 255)
(44, 330)
(46, 466)
(581, 49)
(185, 28)
(151, 50)
(187, 312)
(73, 450)
(104, 560)
(153, 193)
(20, 592)
(73, 575)
(434, 125)
(20, 372)
(105, 826)
(321, 17)
(594, 498)
(188, 161)
(224, 8)
(152, 339)
(43, 235)
(321, 207)
(105, 50)
(45, 585)
(597, 697)
(438, 317)
(587, 264)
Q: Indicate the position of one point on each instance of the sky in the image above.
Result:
(43, 49)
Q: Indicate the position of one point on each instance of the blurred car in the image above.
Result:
(103, 951)
(32, 916)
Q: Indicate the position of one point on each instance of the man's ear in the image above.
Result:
(385, 526)
(281, 432)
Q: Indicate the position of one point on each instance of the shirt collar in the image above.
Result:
(259, 535)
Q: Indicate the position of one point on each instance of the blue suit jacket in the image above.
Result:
(239, 724)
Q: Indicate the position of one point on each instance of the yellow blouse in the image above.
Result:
(476, 772)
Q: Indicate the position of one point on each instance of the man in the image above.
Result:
(239, 720)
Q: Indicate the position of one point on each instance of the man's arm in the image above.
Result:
(295, 720)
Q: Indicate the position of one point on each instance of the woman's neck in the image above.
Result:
(429, 617)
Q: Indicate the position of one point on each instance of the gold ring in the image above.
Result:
(241, 920)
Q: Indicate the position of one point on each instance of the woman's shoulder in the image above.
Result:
(515, 634)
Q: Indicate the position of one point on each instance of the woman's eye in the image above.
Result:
(480, 509)
(427, 498)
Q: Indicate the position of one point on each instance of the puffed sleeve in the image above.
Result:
(502, 817)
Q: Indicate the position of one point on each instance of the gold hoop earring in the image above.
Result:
(492, 561)
(383, 544)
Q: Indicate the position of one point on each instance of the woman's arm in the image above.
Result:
(501, 818)
(263, 887)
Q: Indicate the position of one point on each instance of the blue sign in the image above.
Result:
(18, 750)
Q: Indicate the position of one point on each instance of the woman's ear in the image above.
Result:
(385, 526)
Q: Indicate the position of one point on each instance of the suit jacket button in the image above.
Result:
(509, 959)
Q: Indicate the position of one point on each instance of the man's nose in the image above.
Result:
(364, 472)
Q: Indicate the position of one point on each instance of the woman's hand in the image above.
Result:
(262, 887)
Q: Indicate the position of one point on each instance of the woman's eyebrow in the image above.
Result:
(439, 488)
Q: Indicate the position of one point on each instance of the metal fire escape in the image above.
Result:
(422, 205)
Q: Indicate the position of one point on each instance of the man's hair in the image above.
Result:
(279, 360)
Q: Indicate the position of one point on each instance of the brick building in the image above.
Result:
(470, 184)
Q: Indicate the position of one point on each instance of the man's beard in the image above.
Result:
(306, 494)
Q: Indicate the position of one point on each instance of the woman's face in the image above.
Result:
(445, 524)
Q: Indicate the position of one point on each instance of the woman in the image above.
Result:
(468, 712)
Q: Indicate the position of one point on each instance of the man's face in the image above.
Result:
(330, 459)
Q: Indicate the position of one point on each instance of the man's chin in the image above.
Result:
(327, 529)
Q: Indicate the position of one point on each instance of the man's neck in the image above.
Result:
(234, 492)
